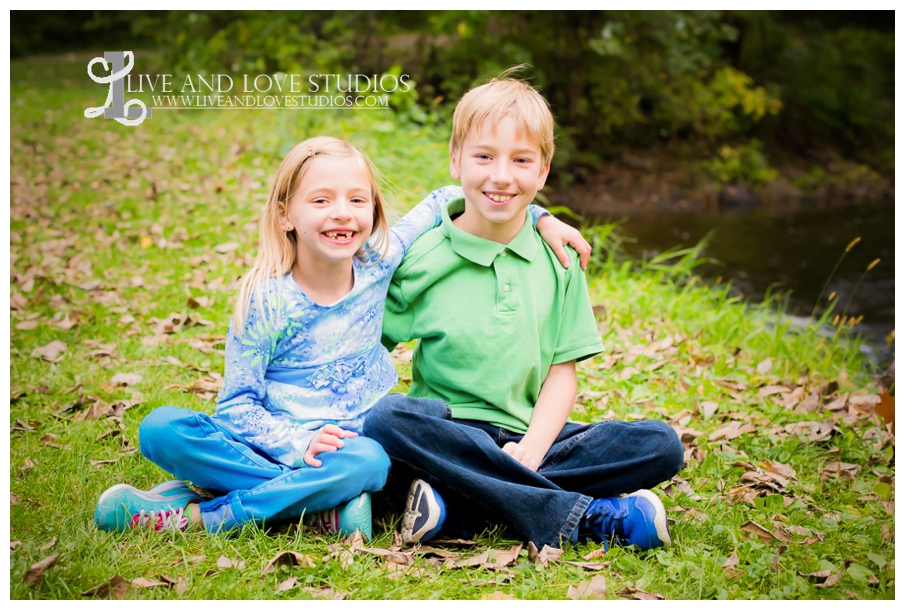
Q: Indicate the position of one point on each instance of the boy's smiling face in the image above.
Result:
(501, 172)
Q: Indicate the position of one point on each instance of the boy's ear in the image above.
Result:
(542, 178)
(454, 167)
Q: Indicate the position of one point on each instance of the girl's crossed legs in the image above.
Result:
(193, 447)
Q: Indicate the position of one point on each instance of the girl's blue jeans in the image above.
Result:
(256, 489)
(464, 461)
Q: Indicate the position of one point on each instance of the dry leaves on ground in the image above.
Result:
(52, 352)
(635, 593)
(35, 574)
(589, 589)
(287, 558)
(826, 578)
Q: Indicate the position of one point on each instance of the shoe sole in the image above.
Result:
(418, 490)
(660, 522)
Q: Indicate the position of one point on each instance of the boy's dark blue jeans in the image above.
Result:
(464, 462)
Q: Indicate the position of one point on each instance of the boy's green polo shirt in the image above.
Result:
(491, 320)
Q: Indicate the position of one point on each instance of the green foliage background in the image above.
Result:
(770, 85)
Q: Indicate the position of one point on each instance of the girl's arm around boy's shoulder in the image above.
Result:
(420, 219)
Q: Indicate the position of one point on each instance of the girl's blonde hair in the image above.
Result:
(277, 250)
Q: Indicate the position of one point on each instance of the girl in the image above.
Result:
(304, 362)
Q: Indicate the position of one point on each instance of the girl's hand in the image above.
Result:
(557, 234)
(521, 455)
(328, 439)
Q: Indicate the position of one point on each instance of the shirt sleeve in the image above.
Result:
(398, 315)
(240, 405)
(537, 213)
(420, 219)
(579, 337)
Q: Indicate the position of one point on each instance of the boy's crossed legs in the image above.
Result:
(463, 459)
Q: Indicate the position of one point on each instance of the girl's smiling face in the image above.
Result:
(332, 211)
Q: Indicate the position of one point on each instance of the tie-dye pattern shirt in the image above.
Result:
(305, 365)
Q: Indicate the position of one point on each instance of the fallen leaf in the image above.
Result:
(764, 366)
(50, 351)
(595, 554)
(14, 544)
(497, 595)
(49, 545)
(101, 463)
(731, 561)
(543, 556)
(27, 465)
(116, 588)
(27, 325)
(181, 586)
(147, 583)
(392, 556)
(589, 589)
(635, 593)
(286, 558)
(35, 573)
(732, 430)
(780, 469)
(753, 529)
(287, 584)
(227, 247)
(125, 379)
(587, 565)
(826, 578)
(324, 592)
(13, 499)
(225, 562)
(772, 389)
(709, 407)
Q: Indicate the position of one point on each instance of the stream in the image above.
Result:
(789, 251)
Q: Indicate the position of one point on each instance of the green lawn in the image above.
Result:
(125, 246)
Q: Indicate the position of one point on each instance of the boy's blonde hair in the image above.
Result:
(504, 96)
(278, 248)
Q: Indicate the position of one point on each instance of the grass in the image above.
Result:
(124, 231)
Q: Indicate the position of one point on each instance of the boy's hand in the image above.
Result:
(328, 439)
(557, 234)
(521, 455)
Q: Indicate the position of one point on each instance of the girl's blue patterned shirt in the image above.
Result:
(305, 365)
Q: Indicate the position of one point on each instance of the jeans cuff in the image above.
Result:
(570, 530)
(223, 514)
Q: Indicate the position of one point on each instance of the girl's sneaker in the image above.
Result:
(425, 513)
(347, 517)
(123, 507)
(637, 519)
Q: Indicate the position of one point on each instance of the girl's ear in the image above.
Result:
(285, 224)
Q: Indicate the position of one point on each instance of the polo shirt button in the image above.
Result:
(503, 253)
(506, 288)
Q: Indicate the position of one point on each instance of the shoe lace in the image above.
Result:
(328, 521)
(162, 519)
(605, 518)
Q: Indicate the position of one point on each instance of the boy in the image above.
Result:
(501, 325)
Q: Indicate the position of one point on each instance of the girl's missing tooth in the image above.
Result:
(303, 363)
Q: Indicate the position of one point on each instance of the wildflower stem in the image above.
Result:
(832, 273)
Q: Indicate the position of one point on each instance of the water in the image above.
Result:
(793, 250)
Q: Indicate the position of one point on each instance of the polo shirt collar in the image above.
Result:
(483, 251)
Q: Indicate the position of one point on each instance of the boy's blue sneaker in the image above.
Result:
(347, 517)
(637, 519)
(123, 507)
(425, 513)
